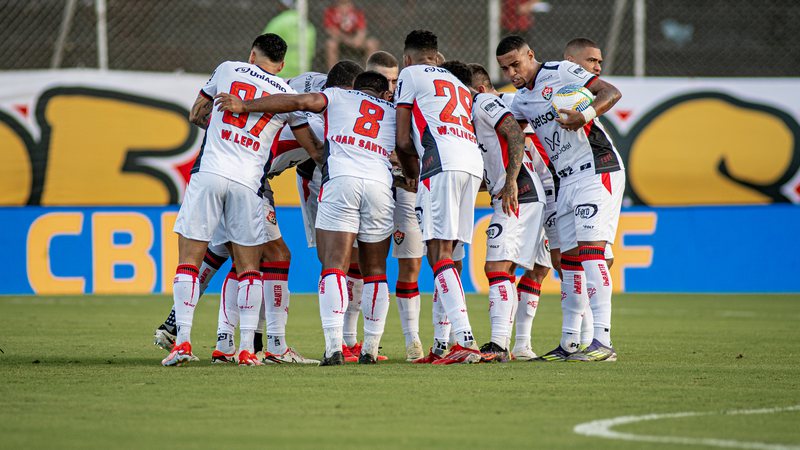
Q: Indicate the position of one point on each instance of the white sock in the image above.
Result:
(250, 298)
(228, 317)
(408, 306)
(587, 325)
(441, 326)
(574, 302)
(374, 307)
(185, 294)
(529, 292)
(600, 288)
(451, 294)
(355, 284)
(211, 264)
(501, 306)
(276, 301)
(514, 304)
(332, 306)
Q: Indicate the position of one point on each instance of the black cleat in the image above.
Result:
(366, 358)
(336, 359)
(500, 353)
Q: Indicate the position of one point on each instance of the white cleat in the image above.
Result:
(180, 355)
(290, 356)
(163, 339)
(414, 351)
(523, 354)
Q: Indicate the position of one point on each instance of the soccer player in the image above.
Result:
(225, 187)
(439, 155)
(355, 200)
(592, 180)
(514, 233)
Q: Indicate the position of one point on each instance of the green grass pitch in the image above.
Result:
(81, 372)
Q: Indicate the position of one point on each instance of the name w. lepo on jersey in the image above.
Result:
(236, 138)
(457, 132)
(366, 144)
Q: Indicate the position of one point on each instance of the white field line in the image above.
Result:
(602, 428)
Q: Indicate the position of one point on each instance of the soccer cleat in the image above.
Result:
(523, 353)
(499, 353)
(247, 358)
(414, 351)
(290, 356)
(163, 338)
(427, 359)
(218, 357)
(179, 355)
(594, 352)
(583, 346)
(336, 359)
(366, 358)
(555, 355)
(350, 354)
(461, 355)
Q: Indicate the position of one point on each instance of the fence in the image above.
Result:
(639, 37)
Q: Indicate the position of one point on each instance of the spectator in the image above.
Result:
(347, 31)
(517, 16)
(285, 25)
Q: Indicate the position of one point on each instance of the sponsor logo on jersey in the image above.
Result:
(547, 92)
(550, 222)
(418, 213)
(399, 237)
(494, 230)
(492, 107)
(586, 211)
(436, 69)
(242, 69)
(260, 76)
(541, 119)
(578, 71)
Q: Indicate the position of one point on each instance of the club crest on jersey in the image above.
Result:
(547, 92)
(271, 217)
(399, 237)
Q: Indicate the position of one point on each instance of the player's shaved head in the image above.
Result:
(381, 58)
(459, 70)
(270, 46)
(371, 81)
(585, 52)
(420, 47)
(343, 73)
(510, 44)
(480, 77)
(440, 58)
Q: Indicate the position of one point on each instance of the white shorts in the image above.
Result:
(588, 209)
(407, 235)
(212, 198)
(550, 220)
(543, 257)
(356, 205)
(446, 206)
(609, 253)
(271, 229)
(309, 192)
(515, 238)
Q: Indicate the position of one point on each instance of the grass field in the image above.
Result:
(83, 373)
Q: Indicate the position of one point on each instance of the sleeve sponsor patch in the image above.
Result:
(578, 71)
(492, 107)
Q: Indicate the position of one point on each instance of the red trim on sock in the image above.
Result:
(592, 253)
(187, 269)
(276, 270)
(572, 263)
(497, 277)
(354, 271)
(404, 285)
(327, 272)
(375, 279)
(277, 264)
(439, 265)
(528, 286)
(513, 279)
(250, 275)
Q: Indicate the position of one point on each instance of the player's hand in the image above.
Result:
(228, 102)
(411, 184)
(509, 195)
(574, 120)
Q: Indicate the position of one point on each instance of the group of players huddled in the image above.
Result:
(382, 157)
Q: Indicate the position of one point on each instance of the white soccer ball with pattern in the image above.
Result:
(572, 96)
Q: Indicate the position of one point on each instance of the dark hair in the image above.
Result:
(480, 77)
(422, 40)
(272, 46)
(579, 44)
(460, 70)
(510, 43)
(342, 74)
(371, 80)
(383, 59)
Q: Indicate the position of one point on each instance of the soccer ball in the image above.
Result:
(572, 96)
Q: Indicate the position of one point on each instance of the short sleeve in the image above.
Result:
(572, 73)
(210, 88)
(296, 119)
(404, 92)
(516, 109)
(493, 109)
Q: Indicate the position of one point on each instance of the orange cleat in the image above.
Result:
(460, 355)
(427, 359)
(179, 355)
(219, 357)
(249, 359)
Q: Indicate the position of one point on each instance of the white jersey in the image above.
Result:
(359, 136)
(237, 146)
(308, 82)
(289, 153)
(442, 130)
(575, 154)
(488, 113)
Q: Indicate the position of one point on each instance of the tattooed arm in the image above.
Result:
(201, 110)
(511, 132)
